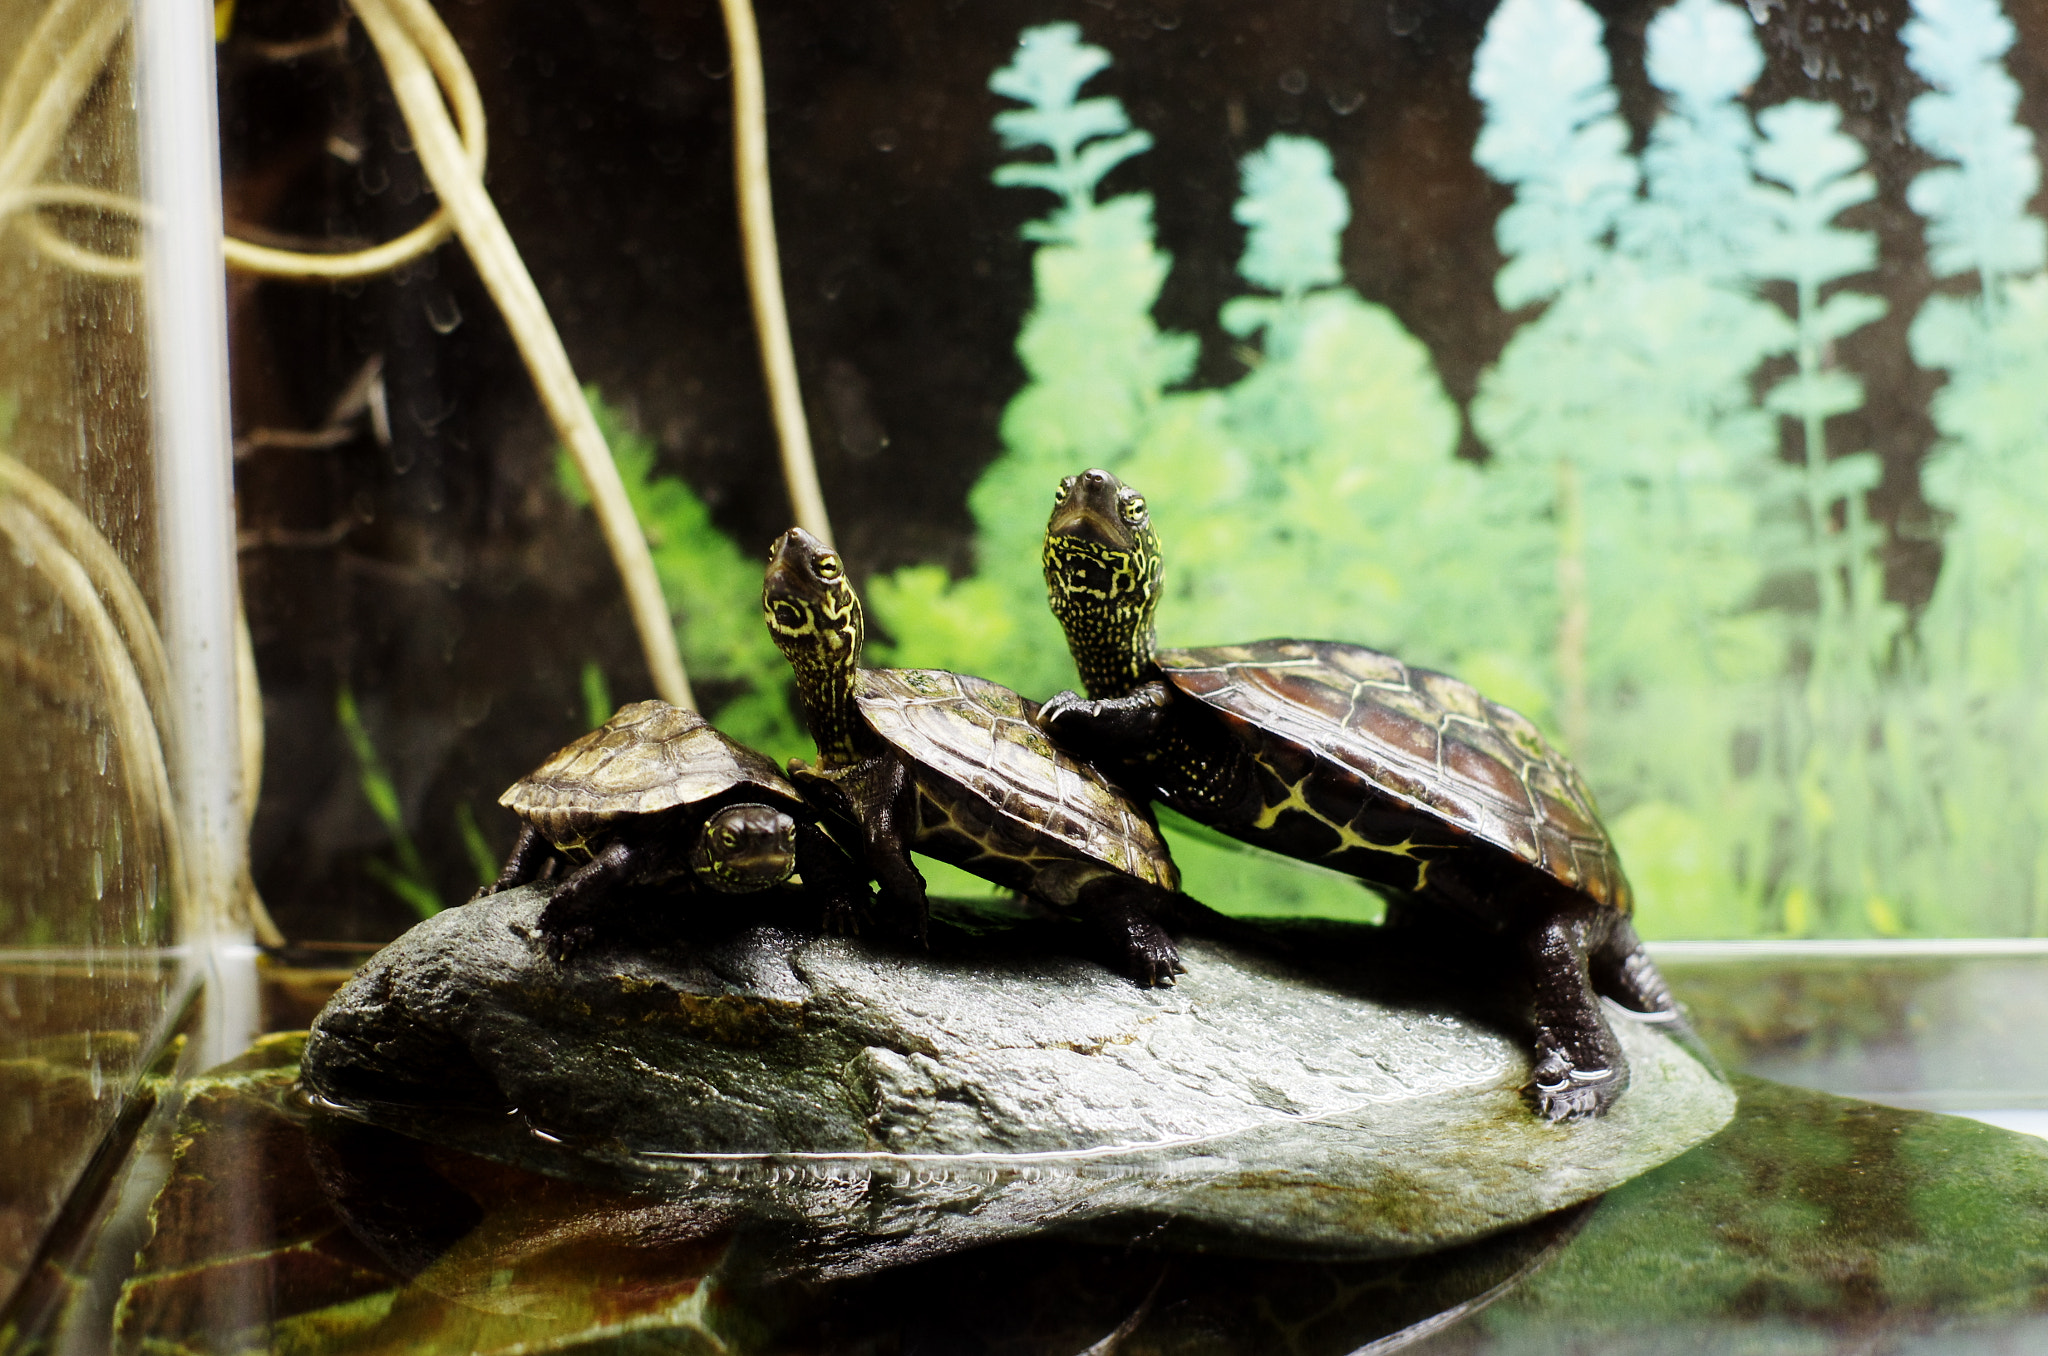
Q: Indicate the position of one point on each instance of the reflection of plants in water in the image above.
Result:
(1639, 565)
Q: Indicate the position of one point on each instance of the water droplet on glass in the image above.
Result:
(1813, 63)
(1294, 81)
(1346, 103)
(99, 875)
(373, 178)
(884, 138)
(442, 311)
(99, 750)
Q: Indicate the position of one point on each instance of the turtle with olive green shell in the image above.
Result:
(1348, 758)
(955, 767)
(657, 794)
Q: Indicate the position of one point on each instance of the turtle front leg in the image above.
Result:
(831, 876)
(884, 803)
(1579, 1068)
(1112, 727)
(567, 923)
(1124, 910)
(528, 859)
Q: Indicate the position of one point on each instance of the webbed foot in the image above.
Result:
(1150, 959)
(1560, 1092)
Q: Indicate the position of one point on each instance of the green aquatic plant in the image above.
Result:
(1626, 443)
(1856, 818)
(1097, 363)
(719, 625)
(1553, 133)
(1665, 560)
(1982, 645)
(1290, 501)
(408, 878)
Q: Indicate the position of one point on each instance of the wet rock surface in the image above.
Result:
(1326, 1097)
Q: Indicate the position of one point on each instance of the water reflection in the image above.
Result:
(324, 1235)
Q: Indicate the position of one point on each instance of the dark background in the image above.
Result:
(446, 583)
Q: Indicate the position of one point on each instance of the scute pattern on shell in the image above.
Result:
(647, 758)
(981, 736)
(1420, 737)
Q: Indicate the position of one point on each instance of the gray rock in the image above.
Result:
(879, 1105)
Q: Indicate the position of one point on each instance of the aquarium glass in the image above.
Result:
(1675, 372)
(90, 869)
(1666, 371)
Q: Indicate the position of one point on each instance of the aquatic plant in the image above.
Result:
(714, 586)
(1981, 642)
(1666, 561)
(407, 878)
(1625, 440)
(1097, 365)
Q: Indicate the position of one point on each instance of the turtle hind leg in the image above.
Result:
(1622, 970)
(1124, 911)
(530, 856)
(1579, 1068)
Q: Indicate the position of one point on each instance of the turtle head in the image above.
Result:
(1102, 578)
(744, 848)
(815, 618)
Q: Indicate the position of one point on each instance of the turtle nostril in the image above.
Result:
(1098, 477)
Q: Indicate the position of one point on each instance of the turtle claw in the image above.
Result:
(1151, 960)
(1058, 705)
(1563, 1093)
(563, 945)
(841, 917)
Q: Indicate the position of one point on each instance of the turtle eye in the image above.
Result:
(1133, 509)
(1060, 491)
(828, 567)
(727, 838)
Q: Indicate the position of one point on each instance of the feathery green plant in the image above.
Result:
(1856, 817)
(1329, 462)
(1640, 565)
(1982, 642)
(1560, 143)
(711, 585)
(1625, 441)
(1097, 365)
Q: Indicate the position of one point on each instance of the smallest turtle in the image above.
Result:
(654, 794)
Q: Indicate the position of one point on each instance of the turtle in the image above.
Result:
(956, 767)
(1349, 758)
(654, 794)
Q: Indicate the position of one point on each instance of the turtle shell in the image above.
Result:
(647, 758)
(1376, 730)
(993, 777)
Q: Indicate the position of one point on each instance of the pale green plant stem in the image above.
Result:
(764, 269)
(142, 751)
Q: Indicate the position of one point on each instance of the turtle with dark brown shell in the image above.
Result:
(656, 794)
(1348, 758)
(956, 767)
